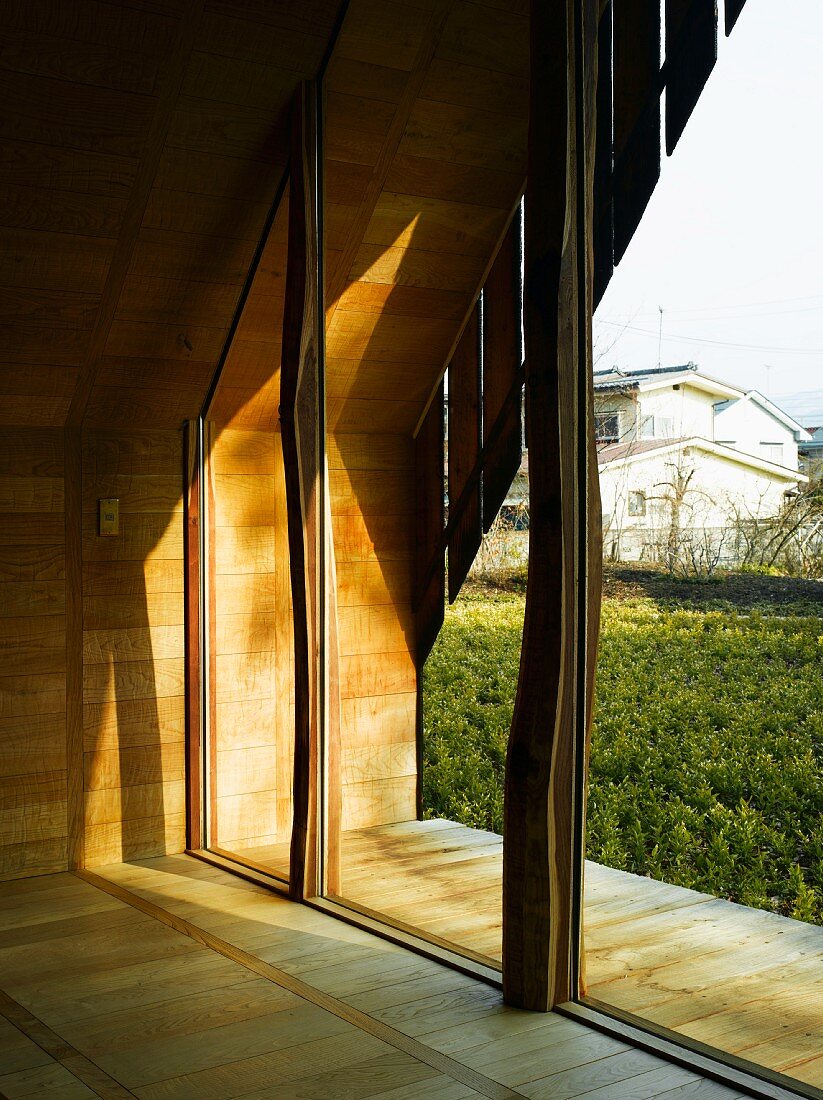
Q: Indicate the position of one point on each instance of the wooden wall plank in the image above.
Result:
(133, 646)
(36, 556)
(74, 647)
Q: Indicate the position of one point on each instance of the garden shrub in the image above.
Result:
(707, 748)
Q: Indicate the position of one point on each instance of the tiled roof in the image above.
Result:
(612, 451)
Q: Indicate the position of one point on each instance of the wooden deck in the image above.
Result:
(747, 982)
(170, 979)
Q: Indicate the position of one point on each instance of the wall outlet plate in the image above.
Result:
(109, 516)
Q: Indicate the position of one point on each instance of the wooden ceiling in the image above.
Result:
(425, 163)
(142, 146)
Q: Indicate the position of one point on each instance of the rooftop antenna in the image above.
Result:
(660, 338)
(768, 367)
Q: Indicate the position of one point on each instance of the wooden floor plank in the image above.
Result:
(52, 1080)
(17, 1051)
(188, 983)
(713, 970)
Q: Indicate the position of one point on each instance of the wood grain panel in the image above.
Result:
(33, 751)
(32, 746)
(133, 646)
(253, 683)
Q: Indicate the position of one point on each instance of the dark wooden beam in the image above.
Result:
(691, 53)
(637, 88)
(733, 10)
(465, 442)
(604, 155)
(430, 583)
(502, 357)
(300, 427)
(473, 481)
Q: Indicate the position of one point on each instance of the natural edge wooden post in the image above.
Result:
(191, 589)
(541, 809)
(300, 397)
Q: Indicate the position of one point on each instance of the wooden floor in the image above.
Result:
(170, 979)
(747, 982)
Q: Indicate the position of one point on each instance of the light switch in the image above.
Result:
(109, 516)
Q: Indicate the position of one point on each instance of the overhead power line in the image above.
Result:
(718, 308)
(715, 343)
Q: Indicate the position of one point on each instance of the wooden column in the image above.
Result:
(191, 590)
(209, 439)
(542, 793)
(308, 517)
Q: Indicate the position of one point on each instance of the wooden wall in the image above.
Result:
(133, 671)
(254, 697)
(125, 635)
(137, 190)
(371, 478)
(33, 792)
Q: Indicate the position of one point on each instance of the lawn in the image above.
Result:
(707, 751)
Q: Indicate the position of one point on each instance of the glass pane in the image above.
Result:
(704, 887)
(253, 711)
(252, 704)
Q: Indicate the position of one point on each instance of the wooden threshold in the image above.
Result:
(754, 1080)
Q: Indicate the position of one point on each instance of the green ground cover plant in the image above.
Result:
(707, 751)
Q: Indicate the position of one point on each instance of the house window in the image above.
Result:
(773, 452)
(637, 503)
(656, 427)
(607, 427)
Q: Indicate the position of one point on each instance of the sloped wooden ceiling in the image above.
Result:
(141, 145)
(425, 162)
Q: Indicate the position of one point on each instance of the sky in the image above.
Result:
(731, 245)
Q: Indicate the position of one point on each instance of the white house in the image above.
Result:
(683, 456)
